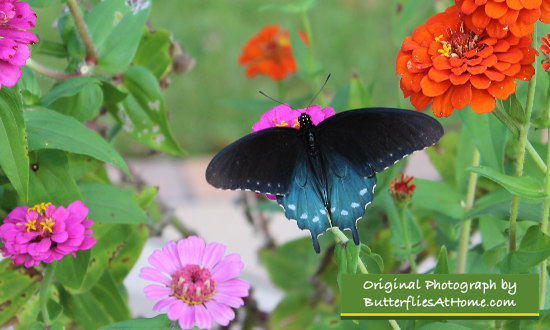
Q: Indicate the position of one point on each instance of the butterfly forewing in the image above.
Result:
(375, 138)
(262, 161)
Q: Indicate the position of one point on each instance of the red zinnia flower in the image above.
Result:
(269, 53)
(401, 189)
(499, 16)
(545, 49)
(447, 63)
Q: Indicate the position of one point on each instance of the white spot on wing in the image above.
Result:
(344, 212)
(363, 191)
(323, 212)
(315, 219)
(354, 205)
(303, 216)
(292, 207)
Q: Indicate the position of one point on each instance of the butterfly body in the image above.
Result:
(323, 176)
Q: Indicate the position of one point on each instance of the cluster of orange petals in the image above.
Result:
(545, 49)
(498, 17)
(269, 53)
(446, 63)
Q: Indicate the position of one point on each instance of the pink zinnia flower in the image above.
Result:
(283, 116)
(45, 233)
(15, 18)
(197, 283)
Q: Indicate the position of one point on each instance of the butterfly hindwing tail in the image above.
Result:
(350, 193)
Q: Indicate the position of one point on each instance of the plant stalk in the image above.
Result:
(465, 234)
(410, 255)
(44, 292)
(37, 67)
(523, 134)
(91, 56)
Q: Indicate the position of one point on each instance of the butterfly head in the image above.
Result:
(305, 120)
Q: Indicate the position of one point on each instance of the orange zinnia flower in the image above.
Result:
(401, 189)
(444, 62)
(499, 16)
(269, 53)
(545, 49)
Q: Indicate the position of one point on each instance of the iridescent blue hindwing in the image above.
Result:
(304, 203)
(349, 193)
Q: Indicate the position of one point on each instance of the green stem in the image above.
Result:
(523, 133)
(281, 91)
(465, 234)
(91, 56)
(37, 67)
(341, 238)
(44, 292)
(545, 211)
(406, 239)
(513, 127)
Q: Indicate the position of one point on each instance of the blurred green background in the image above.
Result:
(205, 105)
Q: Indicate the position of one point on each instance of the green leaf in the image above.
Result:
(39, 3)
(283, 269)
(161, 322)
(444, 157)
(49, 129)
(373, 261)
(131, 250)
(489, 136)
(146, 197)
(67, 88)
(293, 312)
(492, 230)
(50, 48)
(50, 179)
(442, 266)
(533, 249)
(340, 100)
(70, 271)
(109, 204)
(79, 97)
(30, 89)
(154, 52)
(523, 186)
(346, 258)
(142, 112)
(295, 7)
(111, 93)
(110, 240)
(14, 158)
(16, 288)
(359, 97)
(115, 29)
(497, 204)
(413, 231)
(513, 108)
(101, 306)
(439, 197)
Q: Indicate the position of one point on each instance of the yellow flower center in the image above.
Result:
(281, 124)
(31, 225)
(39, 208)
(296, 123)
(47, 224)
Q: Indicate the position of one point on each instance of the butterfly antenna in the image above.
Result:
(269, 97)
(319, 92)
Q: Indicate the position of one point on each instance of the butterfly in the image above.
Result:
(324, 175)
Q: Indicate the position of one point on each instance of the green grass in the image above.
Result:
(349, 36)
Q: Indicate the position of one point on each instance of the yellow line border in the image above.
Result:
(439, 314)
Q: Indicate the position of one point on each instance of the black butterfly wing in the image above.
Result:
(263, 161)
(373, 139)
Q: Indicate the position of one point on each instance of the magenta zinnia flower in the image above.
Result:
(197, 284)
(15, 18)
(283, 115)
(45, 233)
